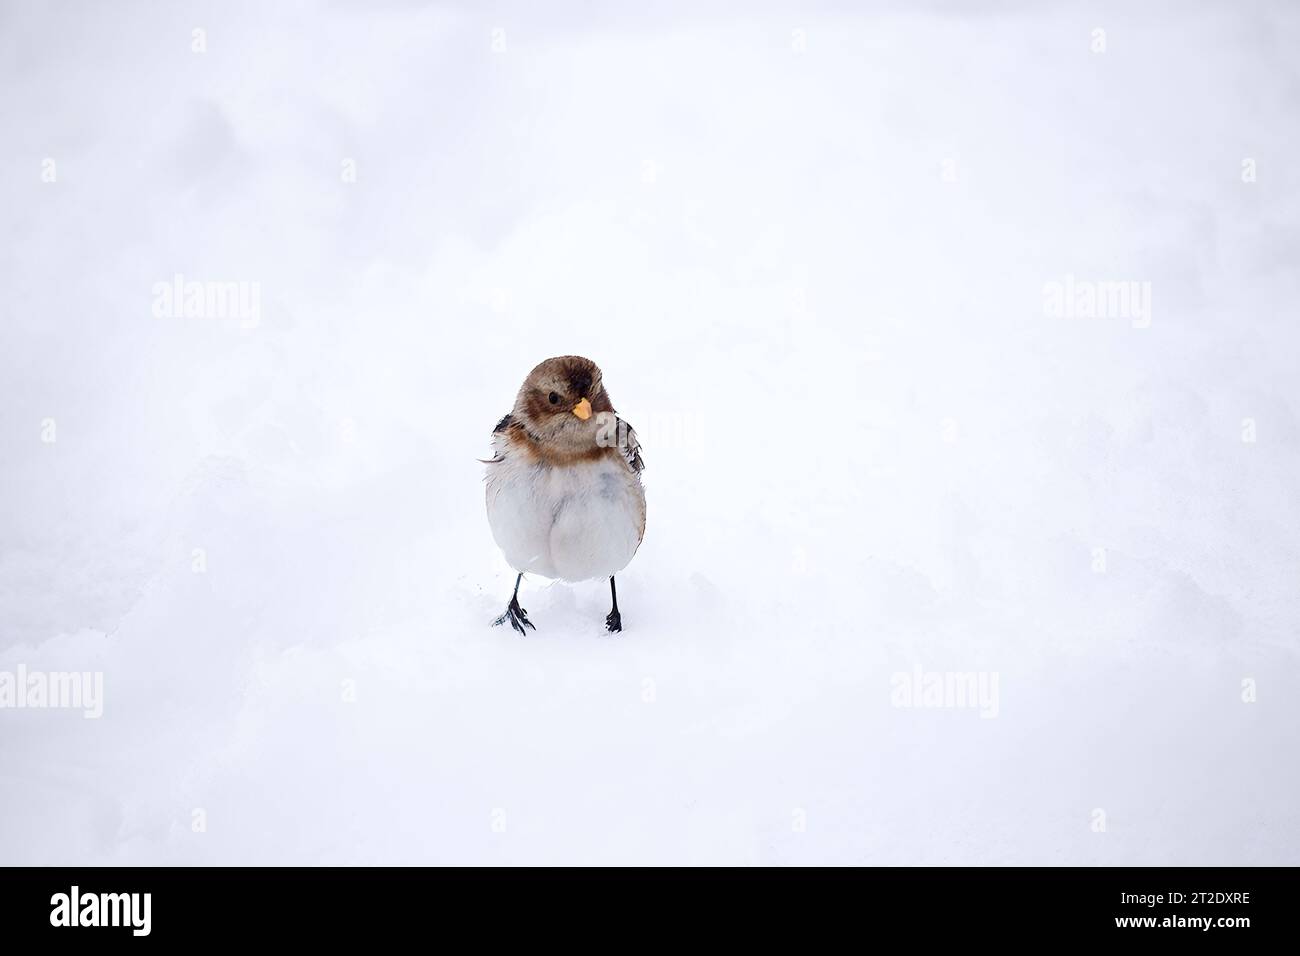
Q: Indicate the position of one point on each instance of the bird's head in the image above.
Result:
(561, 402)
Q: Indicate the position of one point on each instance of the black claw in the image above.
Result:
(517, 617)
(613, 620)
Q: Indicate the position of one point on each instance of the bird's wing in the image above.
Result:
(630, 447)
(506, 422)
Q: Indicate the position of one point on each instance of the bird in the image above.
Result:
(564, 493)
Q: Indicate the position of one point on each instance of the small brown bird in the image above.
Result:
(564, 493)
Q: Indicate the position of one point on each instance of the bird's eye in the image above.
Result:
(555, 399)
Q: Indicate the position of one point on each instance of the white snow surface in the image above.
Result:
(808, 245)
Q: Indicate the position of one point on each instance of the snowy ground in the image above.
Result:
(809, 250)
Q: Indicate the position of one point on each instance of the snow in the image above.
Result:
(812, 267)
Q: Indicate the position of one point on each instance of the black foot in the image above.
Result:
(614, 621)
(516, 615)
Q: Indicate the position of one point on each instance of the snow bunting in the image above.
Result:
(564, 495)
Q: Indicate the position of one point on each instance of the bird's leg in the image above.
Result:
(516, 615)
(613, 621)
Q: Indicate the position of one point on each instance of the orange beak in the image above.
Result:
(583, 409)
